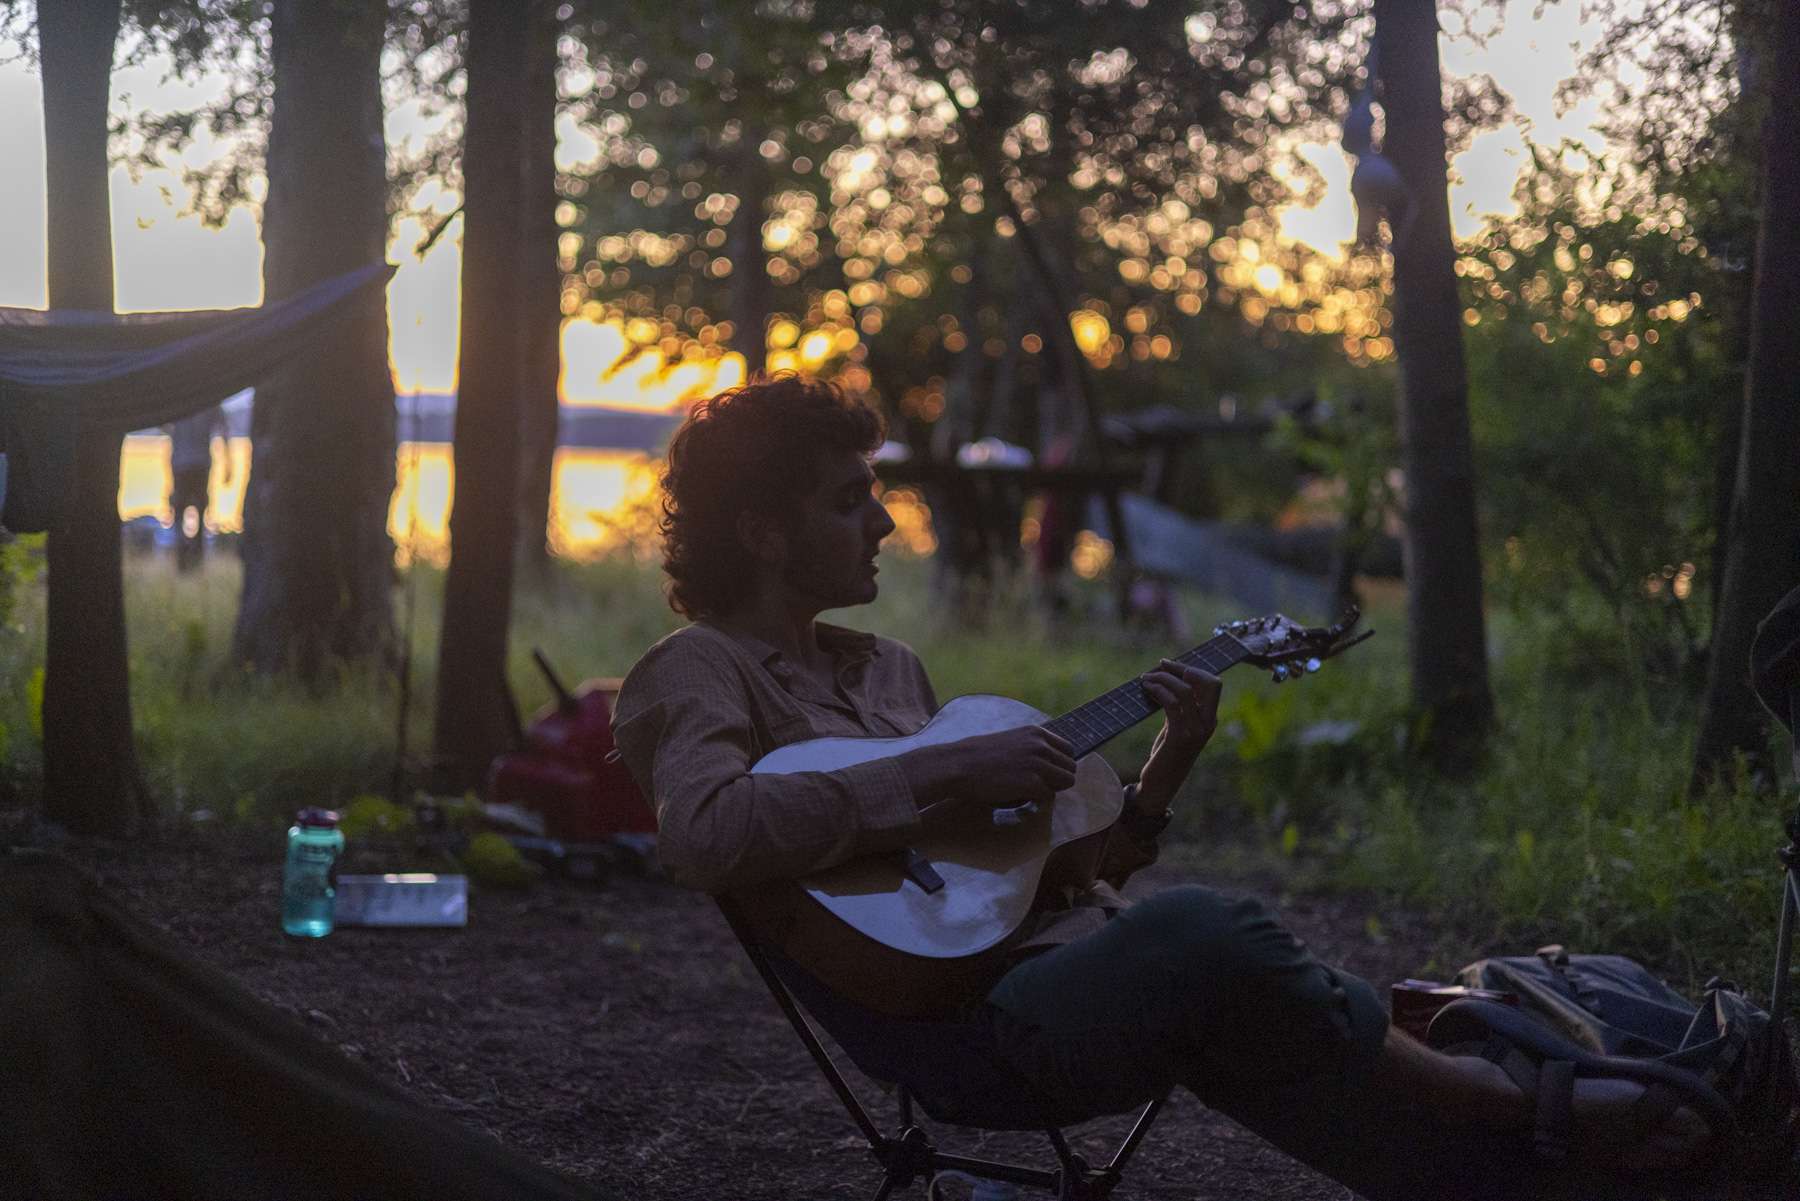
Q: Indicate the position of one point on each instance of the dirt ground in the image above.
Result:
(619, 1035)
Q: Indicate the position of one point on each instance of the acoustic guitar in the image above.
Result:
(913, 933)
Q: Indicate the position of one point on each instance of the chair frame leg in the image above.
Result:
(910, 1154)
(1790, 914)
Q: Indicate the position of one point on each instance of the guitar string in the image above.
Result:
(1113, 712)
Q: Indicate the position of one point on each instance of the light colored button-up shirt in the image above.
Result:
(702, 706)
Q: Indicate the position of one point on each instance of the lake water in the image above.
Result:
(601, 500)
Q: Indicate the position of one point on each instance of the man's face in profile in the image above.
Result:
(836, 535)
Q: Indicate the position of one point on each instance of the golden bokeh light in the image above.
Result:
(1092, 555)
(912, 521)
(1091, 330)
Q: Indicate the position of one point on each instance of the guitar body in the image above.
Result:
(877, 936)
(877, 932)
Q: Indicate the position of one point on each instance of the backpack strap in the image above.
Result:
(1548, 1084)
(1556, 958)
(1555, 1110)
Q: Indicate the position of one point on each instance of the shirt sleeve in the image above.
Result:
(690, 744)
(1124, 855)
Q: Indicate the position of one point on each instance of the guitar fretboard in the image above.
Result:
(1090, 726)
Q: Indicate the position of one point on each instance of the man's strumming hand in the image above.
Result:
(998, 770)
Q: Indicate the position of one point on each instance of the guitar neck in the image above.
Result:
(1089, 727)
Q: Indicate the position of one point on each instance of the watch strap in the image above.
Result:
(1142, 826)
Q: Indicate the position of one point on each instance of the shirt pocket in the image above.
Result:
(900, 723)
(785, 728)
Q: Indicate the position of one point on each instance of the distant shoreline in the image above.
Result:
(431, 417)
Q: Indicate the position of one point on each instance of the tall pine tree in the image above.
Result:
(91, 778)
(1761, 539)
(473, 724)
(1445, 626)
(318, 562)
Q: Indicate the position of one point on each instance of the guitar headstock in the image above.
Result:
(1288, 649)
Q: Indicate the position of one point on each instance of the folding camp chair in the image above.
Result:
(1775, 670)
(944, 1068)
(1790, 902)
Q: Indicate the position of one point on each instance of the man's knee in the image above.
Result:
(1258, 1006)
(1216, 935)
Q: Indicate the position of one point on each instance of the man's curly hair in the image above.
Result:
(755, 448)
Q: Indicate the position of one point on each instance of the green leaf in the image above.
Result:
(492, 860)
(374, 815)
(1263, 718)
(34, 701)
(1290, 838)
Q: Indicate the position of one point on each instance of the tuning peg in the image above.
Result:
(1313, 665)
(1280, 673)
(1218, 630)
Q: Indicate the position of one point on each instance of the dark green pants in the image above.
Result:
(1197, 989)
(1189, 987)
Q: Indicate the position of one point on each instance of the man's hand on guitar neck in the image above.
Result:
(1189, 697)
(999, 770)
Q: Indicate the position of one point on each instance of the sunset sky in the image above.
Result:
(164, 260)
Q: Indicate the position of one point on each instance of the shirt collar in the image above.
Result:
(847, 647)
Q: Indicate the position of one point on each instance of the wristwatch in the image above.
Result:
(1142, 826)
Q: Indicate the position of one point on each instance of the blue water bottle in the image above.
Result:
(307, 883)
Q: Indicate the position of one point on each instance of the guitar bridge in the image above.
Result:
(918, 869)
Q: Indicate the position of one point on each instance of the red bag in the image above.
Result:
(569, 771)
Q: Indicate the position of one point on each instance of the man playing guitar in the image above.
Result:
(769, 521)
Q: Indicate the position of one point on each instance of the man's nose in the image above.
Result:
(882, 523)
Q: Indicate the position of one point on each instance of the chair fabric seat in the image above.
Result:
(953, 1069)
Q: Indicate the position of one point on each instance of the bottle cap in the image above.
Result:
(318, 819)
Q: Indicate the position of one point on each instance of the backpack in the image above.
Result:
(1613, 1006)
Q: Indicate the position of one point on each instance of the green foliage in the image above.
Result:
(1577, 826)
(493, 861)
(1596, 374)
(373, 815)
(21, 562)
(705, 128)
(1260, 720)
(1353, 440)
(34, 701)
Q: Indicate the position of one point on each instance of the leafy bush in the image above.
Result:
(1599, 384)
(1576, 828)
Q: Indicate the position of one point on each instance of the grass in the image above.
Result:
(1577, 827)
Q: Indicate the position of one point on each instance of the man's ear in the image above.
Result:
(761, 534)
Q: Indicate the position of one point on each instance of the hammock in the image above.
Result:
(65, 374)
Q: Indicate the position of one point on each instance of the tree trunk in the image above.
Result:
(752, 292)
(91, 780)
(1762, 541)
(541, 310)
(318, 562)
(962, 391)
(1445, 630)
(473, 722)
